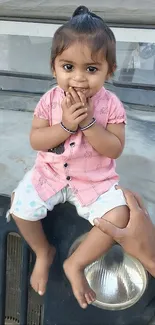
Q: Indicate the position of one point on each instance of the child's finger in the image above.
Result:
(80, 112)
(69, 101)
(76, 107)
(64, 103)
(81, 118)
(82, 97)
(111, 230)
(74, 95)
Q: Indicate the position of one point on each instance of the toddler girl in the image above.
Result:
(78, 131)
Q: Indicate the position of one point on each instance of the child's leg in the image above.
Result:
(34, 235)
(92, 248)
(27, 209)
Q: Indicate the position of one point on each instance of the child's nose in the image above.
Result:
(79, 77)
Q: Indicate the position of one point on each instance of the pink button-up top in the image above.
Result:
(76, 163)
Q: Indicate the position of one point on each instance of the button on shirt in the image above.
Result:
(88, 173)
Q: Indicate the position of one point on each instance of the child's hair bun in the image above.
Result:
(81, 10)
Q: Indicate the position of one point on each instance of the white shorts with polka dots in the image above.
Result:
(28, 205)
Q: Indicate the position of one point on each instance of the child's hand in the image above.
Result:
(72, 114)
(89, 116)
(79, 96)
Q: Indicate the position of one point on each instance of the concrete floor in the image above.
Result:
(135, 166)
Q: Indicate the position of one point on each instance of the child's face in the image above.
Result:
(75, 68)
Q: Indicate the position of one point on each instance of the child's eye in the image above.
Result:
(68, 67)
(91, 69)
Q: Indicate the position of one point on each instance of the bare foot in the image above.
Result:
(40, 272)
(81, 289)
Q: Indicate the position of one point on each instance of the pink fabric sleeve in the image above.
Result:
(117, 112)
(42, 109)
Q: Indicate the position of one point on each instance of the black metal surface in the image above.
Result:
(26, 306)
(62, 227)
(13, 272)
(24, 284)
(2, 277)
(4, 202)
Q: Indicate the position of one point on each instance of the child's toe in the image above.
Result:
(42, 287)
(81, 300)
(88, 298)
(93, 296)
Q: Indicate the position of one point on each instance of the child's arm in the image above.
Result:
(108, 142)
(44, 137)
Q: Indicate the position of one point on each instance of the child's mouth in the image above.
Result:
(82, 90)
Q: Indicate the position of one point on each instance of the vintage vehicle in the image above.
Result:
(26, 30)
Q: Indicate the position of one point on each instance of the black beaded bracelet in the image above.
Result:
(89, 125)
(67, 130)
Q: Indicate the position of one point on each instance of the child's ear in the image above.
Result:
(110, 74)
(53, 73)
(113, 69)
(53, 70)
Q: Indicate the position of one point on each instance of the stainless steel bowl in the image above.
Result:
(118, 279)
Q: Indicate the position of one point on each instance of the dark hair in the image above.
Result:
(85, 26)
